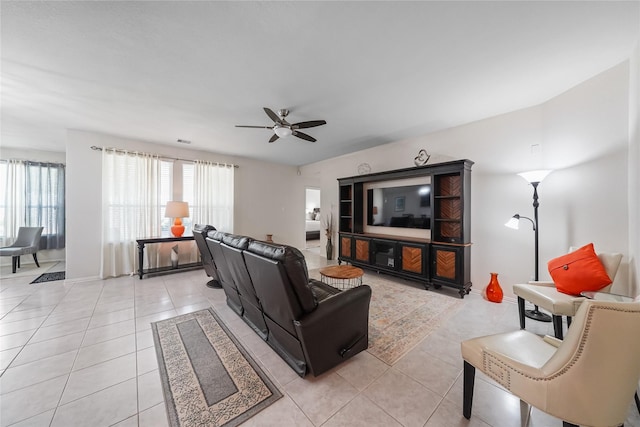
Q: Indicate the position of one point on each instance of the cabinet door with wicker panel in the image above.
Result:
(362, 249)
(413, 259)
(450, 267)
(345, 248)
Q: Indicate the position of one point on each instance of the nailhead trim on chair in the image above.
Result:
(489, 361)
(496, 370)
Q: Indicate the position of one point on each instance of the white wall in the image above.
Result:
(581, 134)
(37, 156)
(268, 197)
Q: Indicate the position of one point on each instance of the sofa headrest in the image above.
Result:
(202, 228)
(268, 250)
(216, 235)
(236, 241)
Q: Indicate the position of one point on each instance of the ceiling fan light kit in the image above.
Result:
(282, 128)
(282, 131)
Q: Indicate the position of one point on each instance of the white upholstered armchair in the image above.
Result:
(545, 295)
(589, 379)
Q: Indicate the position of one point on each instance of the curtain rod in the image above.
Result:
(120, 150)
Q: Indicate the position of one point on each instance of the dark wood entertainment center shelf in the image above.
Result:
(443, 259)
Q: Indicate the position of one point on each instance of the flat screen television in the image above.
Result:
(406, 206)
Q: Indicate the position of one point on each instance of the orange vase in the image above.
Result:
(494, 291)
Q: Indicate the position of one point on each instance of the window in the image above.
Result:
(213, 195)
(188, 171)
(136, 189)
(33, 197)
(208, 189)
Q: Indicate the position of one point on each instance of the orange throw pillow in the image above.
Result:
(577, 271)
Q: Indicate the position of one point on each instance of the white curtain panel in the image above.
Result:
(213, 195)
(131, 208)
(13, 198)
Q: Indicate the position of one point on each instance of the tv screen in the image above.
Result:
(403, 206)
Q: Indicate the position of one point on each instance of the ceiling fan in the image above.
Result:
(282, 128)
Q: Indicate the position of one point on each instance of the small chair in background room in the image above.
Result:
(588, 379)
(27, 242)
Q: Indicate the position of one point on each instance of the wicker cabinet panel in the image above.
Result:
(451, 266)
(362, 250)
(450, 185)
(450, 208)
(412, 259)
(450, 230)
(446, 264)
(345, 247)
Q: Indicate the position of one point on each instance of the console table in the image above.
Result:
(162, 270)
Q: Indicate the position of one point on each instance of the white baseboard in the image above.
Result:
(82, 279)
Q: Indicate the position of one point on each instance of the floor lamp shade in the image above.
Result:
(177, 210)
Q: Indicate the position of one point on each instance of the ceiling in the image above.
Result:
(377, 72)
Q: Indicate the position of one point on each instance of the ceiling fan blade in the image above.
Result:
(273, 116)
(273, 138)
(255, 127)
(303, 136)
(309, 124)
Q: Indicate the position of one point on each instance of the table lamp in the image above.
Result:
(177, 210)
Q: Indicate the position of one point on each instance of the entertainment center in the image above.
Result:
(414, 223)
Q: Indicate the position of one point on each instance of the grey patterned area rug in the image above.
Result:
(401, 314)
(50, 277)
(208, 378)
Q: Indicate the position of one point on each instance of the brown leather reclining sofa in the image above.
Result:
(311, 325)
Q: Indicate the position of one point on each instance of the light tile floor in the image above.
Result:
(82, 355)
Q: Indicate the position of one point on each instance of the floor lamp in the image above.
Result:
(534, 178)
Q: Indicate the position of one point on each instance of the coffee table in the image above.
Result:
(341, 276)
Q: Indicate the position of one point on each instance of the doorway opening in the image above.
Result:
(312, 219)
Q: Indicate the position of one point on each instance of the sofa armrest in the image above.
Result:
(541, 283)
(336, 330)
(322, 291)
